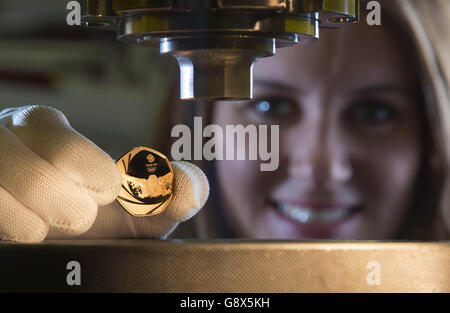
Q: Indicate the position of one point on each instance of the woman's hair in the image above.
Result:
(423, 27)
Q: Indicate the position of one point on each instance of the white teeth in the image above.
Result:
(307, 215)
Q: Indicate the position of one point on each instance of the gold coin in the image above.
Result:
(147, 182)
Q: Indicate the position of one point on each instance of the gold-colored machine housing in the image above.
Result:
(217, 42)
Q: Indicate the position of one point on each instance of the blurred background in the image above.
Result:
(92, 78)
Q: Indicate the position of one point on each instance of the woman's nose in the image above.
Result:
(321, 159)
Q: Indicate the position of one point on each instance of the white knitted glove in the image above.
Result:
(53, 178)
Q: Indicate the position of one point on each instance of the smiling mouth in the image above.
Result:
(305, 215)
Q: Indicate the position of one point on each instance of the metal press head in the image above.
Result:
(217, 42)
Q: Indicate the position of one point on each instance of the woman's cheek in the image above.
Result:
(239, 185)
(242, 179)
(389, 178)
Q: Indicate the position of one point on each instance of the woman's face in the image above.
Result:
(350, 140)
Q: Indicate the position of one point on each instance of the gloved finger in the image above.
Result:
(156, 226)
(47, 132)
(42, 188)
(190, 191)
(114, 222)
(17, 222)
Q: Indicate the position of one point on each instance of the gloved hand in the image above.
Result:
(53, 178)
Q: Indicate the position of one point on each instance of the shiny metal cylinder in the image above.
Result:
(225, 73)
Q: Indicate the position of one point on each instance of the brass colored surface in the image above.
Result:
(340, 11)
(101, 12)
(235, 266)
(147, 182)
(348, 7)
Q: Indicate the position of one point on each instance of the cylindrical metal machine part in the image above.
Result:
(210, 69)
(217, 42)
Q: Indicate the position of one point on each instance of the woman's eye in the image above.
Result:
(273, 107)
(373, 112)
